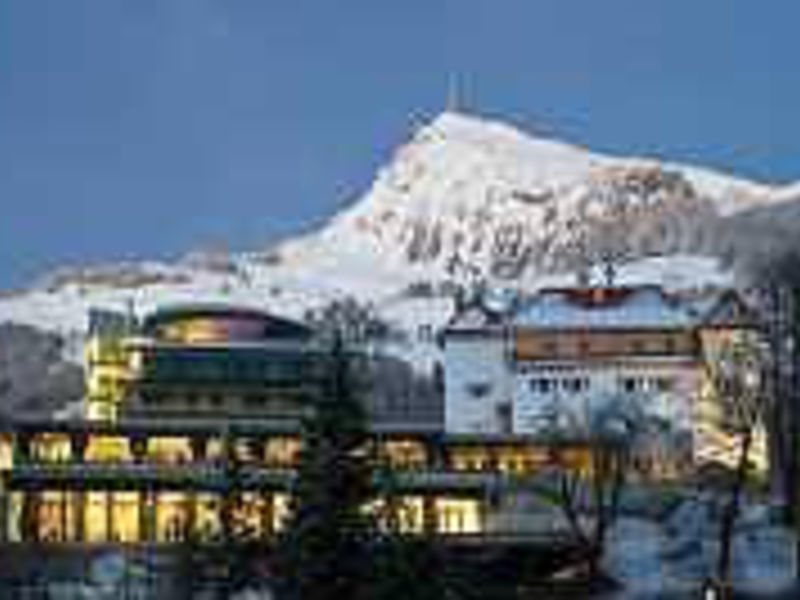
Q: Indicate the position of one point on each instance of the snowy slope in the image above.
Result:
(468, 198)
(464, 199)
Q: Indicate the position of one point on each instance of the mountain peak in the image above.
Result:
(468, 126)
(474, 196)
(504, 145)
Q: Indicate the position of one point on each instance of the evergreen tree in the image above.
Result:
(323, 552)
(404, 564)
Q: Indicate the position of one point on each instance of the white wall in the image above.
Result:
(603, 380)
(469, 362)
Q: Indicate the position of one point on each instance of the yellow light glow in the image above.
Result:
(470, 459)
(458, 515)
(51, 447)
(282, 452)
(108, 449)
(6, 453)
(406, 454)
(280, 511)
(207, 519)
(96, 517)
(169, 450)
(56, 516)
(125, 517)
(171, 517)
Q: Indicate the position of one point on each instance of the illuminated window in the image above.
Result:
(96, 519)
(6, 453)
(52, 447)
(470, 459)
(280, 511)
(108, 449)
(124, 517)
(56, 516)
(406, 513)
(458, 516)
(169, 450)
(406, 454)
(207, 518)
(282, 451)
(249, 515)
(171, 517)
(215, 449)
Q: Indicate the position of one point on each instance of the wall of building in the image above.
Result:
(574, 389)
(478, 385)
(580, 345)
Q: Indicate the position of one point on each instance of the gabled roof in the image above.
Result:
(473, 319)
(729, 310)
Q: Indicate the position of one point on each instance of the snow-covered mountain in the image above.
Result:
(464, 199)
(471, 198)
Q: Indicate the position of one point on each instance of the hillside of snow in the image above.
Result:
(464, 200)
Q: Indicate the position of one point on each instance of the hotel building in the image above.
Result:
(193, 414)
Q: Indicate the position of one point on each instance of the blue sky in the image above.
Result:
(145, 128)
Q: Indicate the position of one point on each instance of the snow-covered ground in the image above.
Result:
(681, 553)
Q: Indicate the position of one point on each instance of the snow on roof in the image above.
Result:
(728, 309)
(645, 307)
(487, 310)
(473, 319)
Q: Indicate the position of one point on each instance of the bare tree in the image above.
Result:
(772, 268)
(738, 379)
(606, 437)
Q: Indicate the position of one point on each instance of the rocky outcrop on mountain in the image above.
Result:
(469, 198)
(126, 275)
(748, 240)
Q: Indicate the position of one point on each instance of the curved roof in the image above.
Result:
(274, 326)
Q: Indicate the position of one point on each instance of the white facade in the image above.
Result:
(556, 360)
(572, 390)
(478, 383)
(487, 390)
